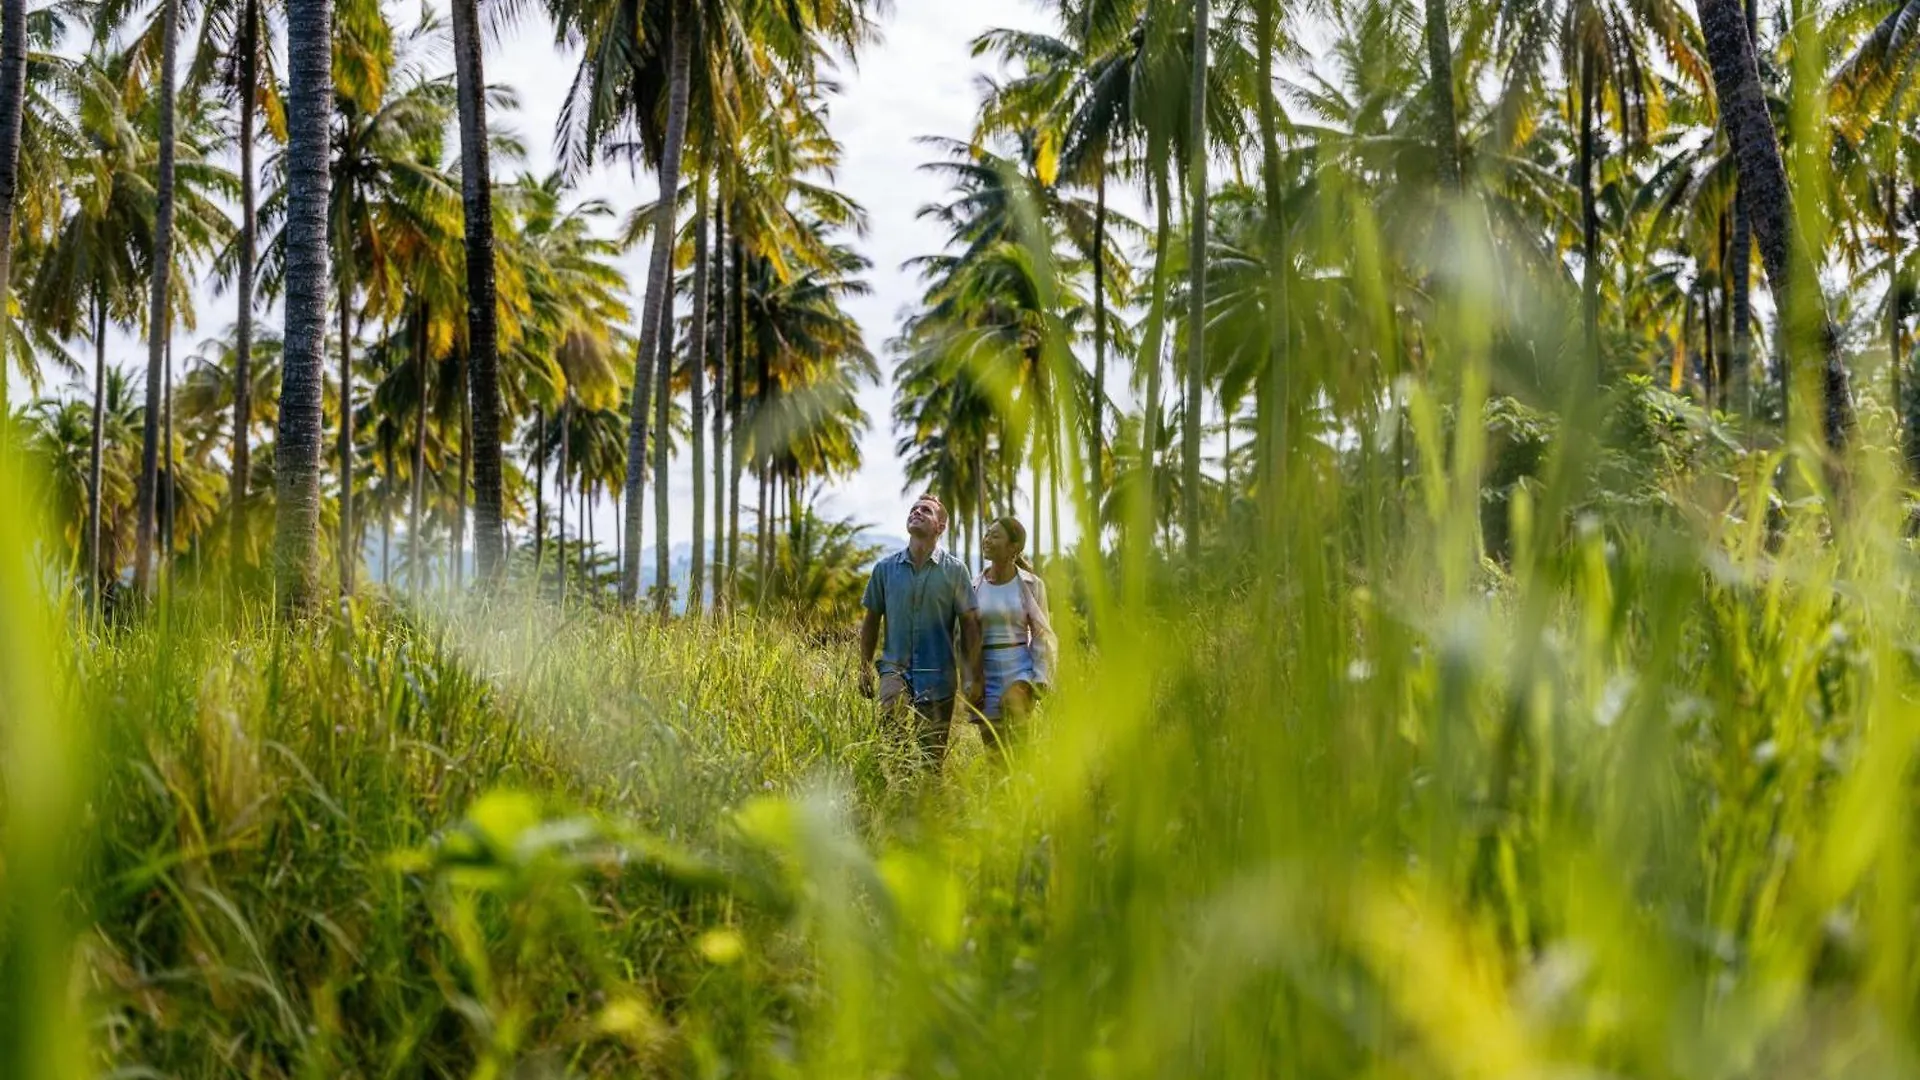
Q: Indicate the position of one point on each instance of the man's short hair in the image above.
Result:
(930, 497)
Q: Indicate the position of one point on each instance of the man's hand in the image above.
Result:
(869, 640)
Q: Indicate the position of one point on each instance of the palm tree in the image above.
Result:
(1078, 90)
(1197, 286)
(13, 94)
(297, 445)
(159, 326)
(696, 372)
(235, 53)
(89, 273)
(388, 198)
(1763, 190)
(476, 199)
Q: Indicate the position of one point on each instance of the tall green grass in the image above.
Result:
(1598, 764)
(1636, 804)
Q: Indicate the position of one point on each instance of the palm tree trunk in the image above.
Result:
(697, 400)
(1150, 353)
(1097, 429)
(1273, 399)
(662, 447)
(566, 448)
(735, 403)
(158, 325)
(386, 523)
(586, 537)
(1589, 216)
(761, 552)
(1446, 124)
(243, 318)
(1896, 362)
(718, 353)
(457, 572)
(96, 450)
(1197, 289)
(167, 476)
(476, 200)
(539, 491)
(1053, 492)
(347, 556)
(656, 320)
(1740, 273)
(1763, 178)
(13, 94)
(416, 575)
(297, 446)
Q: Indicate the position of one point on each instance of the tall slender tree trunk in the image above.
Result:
(560, 482)
(166, 475)
(697, 399)
(735, 403)
(1446, 123)
(157, 322)
(1589, 215)
(1097, 424)
(719, 353)
(539, 492)
(386, 522)
(763, 551)
(1053, 495)
(1151, 355)
(1197, 288)
(483, 381)
(586, 539)
(1896, 360)
(417, 573)
(297, 447)
(457, 571)
(662, 450)
(96, 452)
(1740, 274)
(13, 96)
(237, 488)
(348, 557)
(1763, 177)
(1273, 402)
(656, 314)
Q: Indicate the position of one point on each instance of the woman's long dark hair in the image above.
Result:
(1016, 536)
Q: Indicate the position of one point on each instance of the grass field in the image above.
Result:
(1636, 803)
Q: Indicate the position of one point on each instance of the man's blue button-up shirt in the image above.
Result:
(921, 607)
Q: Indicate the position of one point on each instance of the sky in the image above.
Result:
(919, 79)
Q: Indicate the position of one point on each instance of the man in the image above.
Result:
(920, 594)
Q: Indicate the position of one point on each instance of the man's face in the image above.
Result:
(923, 519)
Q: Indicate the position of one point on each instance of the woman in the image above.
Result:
(1015, 631)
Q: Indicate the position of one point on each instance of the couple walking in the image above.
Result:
(1005, 643)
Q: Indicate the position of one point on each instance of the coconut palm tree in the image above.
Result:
(388, 195)
(13, 94)
(476, 199)
(234, 54)
(297, 444)
(90, 271)
(159, 325)
(1763, 190)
